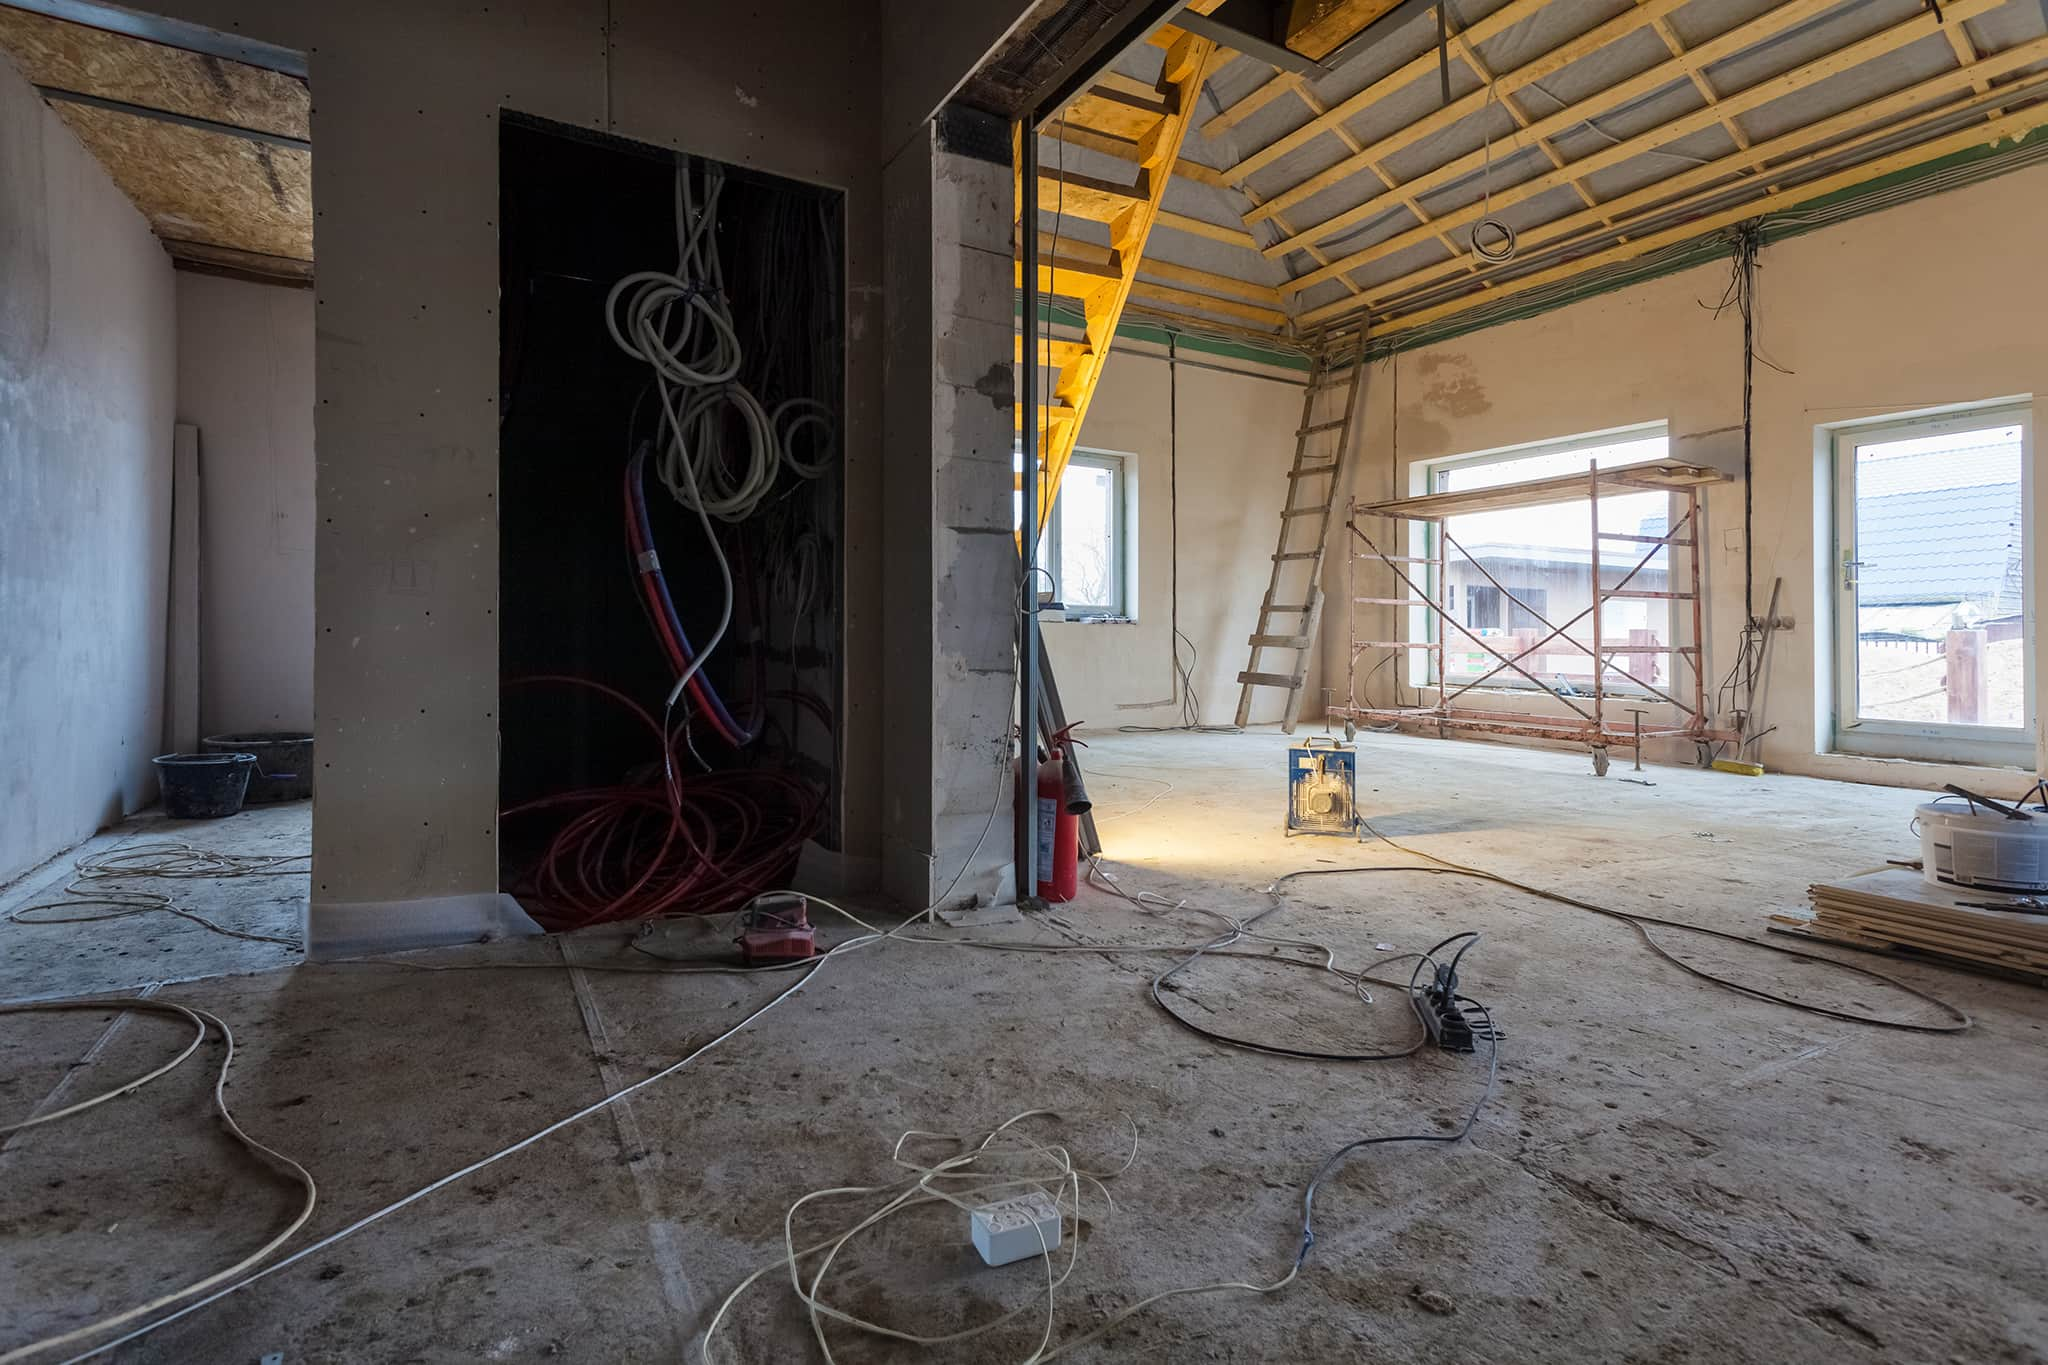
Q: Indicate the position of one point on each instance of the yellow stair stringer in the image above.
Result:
(1180, 84)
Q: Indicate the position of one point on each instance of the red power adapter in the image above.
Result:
(777, 928)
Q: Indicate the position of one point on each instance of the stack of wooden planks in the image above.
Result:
(1891, 908)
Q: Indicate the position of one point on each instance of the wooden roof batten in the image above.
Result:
(1994, 89)
(1284, 231)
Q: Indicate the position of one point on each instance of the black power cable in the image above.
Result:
(1957, 1020)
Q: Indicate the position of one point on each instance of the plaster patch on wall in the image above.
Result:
(1451, 386)
(751, 101)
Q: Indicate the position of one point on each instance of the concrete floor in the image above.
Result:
(1664, 1172)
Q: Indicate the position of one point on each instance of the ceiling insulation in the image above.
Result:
(212, 152)
(1585, 125)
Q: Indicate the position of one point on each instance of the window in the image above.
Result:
(1523, 572)
(1931, 563)
(1084, 543)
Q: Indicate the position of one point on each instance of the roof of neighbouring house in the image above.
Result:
(1940, 545)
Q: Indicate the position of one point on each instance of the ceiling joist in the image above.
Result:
(1396, 240)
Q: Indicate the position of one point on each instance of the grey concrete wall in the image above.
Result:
(954, 569)
(406, 98)
(87, 373)
(245, 379)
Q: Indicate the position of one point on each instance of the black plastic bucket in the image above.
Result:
(203, 786)
(284, 762)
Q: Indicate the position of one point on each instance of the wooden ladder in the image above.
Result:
(1293, 605)
(1149, 125)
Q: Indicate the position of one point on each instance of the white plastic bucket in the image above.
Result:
(1960, 846)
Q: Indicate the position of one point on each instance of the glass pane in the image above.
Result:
(1538, 575)
(1087, 546)
(1939, 576)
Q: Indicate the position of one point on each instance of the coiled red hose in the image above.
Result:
(688, 845)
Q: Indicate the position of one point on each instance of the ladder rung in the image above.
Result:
(1286, 606)
(1322, 426)
(1317, 554)
(1292, 684)
(1280, 642)
(1309, 469)
(1392, 601)
(1322, 511)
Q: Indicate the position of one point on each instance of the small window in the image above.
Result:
(1084, 543)
(1525, 574)
(1932, 555)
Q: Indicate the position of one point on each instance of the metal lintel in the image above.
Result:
(1376, 31)
(1082, 69)
(153, 28)
(1252, 45)
(51, 92)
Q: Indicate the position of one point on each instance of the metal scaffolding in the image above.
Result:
(1579, 717)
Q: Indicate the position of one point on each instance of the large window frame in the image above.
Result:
(1431, 477)
(1924, 741)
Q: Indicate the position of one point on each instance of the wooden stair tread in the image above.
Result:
(1086, 196)
(1120, 113)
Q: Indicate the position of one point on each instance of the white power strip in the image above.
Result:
(1012, 1229)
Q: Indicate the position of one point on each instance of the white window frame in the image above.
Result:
(1935, 742)
(1119, 531)
(1424, 478)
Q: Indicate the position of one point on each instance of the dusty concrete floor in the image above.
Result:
(1664, 1171)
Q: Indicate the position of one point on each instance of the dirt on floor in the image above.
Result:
(1660, 1170)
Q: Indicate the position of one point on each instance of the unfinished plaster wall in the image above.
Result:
(1867, 321)
(1233, 433)
(406, 100)
(87, 373)
(245, 379)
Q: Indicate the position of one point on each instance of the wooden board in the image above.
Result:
(1899, 890)
(1895, 907)
(1543, 492)
(1804, 928)
(206, 187)
(91, 61)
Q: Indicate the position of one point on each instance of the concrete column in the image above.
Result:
(950, 565)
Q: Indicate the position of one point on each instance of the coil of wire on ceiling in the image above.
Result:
(1491, 239)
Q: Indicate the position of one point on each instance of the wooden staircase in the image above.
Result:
(1100, 278)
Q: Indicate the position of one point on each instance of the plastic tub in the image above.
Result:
(284, 762)
(1982, 849)
(203, 786)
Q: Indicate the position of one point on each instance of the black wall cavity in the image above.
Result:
(580, 645)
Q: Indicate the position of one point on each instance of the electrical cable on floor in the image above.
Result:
(201, 1021)
(1958, 1021)
(159, 859)
(873, 935)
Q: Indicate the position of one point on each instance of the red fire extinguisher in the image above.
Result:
(1059, 827)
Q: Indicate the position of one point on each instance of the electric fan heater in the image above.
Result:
(1322, 788)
